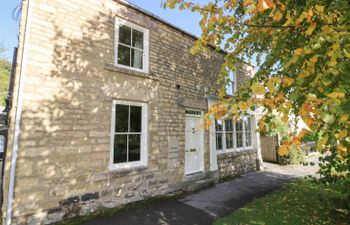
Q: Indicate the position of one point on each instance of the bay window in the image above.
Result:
(219, 134)
(230, 135)
(247, 131)
(229, 132)
(239, 134)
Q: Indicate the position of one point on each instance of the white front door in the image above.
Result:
(194, 142)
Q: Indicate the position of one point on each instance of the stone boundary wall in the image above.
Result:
(237, 163)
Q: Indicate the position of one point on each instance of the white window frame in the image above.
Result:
(145, 58)
(235, 148)
(251, 118)
(233, 84)
(144, 137)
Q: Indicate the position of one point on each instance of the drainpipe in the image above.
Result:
(18, 115)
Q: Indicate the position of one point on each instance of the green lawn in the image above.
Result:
(301, 203)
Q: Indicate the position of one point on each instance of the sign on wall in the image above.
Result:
(173, 152)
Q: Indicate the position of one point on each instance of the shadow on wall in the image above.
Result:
(65, 137)
(67, 116)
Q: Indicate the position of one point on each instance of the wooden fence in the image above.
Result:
(269, 146)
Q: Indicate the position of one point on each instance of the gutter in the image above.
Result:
(18, 115)
(152, 15)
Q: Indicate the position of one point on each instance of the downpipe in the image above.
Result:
(18, 115)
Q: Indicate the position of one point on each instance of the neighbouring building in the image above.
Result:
(106, 109)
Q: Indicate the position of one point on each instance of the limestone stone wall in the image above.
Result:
(244, 73)
(237, 163)
(70, 83)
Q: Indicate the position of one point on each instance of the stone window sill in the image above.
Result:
(126, 171)
(114, 68)
(122, 172)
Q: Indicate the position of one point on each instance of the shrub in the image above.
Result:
(296, 155)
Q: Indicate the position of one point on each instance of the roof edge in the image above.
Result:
(141, 10)
(147, 13)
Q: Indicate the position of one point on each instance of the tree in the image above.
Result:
(5, 71)
(302, 49)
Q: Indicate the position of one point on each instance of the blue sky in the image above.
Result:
(8, 26)
(184, 19)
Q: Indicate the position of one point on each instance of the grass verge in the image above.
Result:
(303, 202)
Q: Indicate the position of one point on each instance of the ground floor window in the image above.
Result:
(128, 134)
(230, 135)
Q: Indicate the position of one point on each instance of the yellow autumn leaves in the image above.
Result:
(244, 105)
(258, 89)
(336, 95)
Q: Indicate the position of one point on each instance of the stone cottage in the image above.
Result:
(107, 109)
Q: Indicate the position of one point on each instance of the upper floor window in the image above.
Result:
(231, 86)
(131, 46)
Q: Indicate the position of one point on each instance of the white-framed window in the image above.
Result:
(239, 134)
(219, 135)
(131, 46)
(128, 135)
(247, 124)
(230, 135)
(231, 86)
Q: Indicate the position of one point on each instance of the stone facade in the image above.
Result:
(236, 163)
(70, 83)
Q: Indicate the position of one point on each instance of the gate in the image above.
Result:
(269, 146)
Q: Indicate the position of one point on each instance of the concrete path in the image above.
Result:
(203, 207)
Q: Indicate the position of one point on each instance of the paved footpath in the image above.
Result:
(203, 207)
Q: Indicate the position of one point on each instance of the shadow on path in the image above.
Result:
(171, 212)
(203, 207)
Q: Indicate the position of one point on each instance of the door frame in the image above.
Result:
(202, 142)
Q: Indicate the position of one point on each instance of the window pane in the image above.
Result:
(248, 139)
(135, 118)
(136, 58)
(239, 140)
(120, 148)
(218, 125)
(230, 87)
(137, 39)
(247, 125)
(239, 126)
(219, 141)
(123, 55)
(121, 118)
(125, 35)
(134, 147)
(229, 140)
(228, 125)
